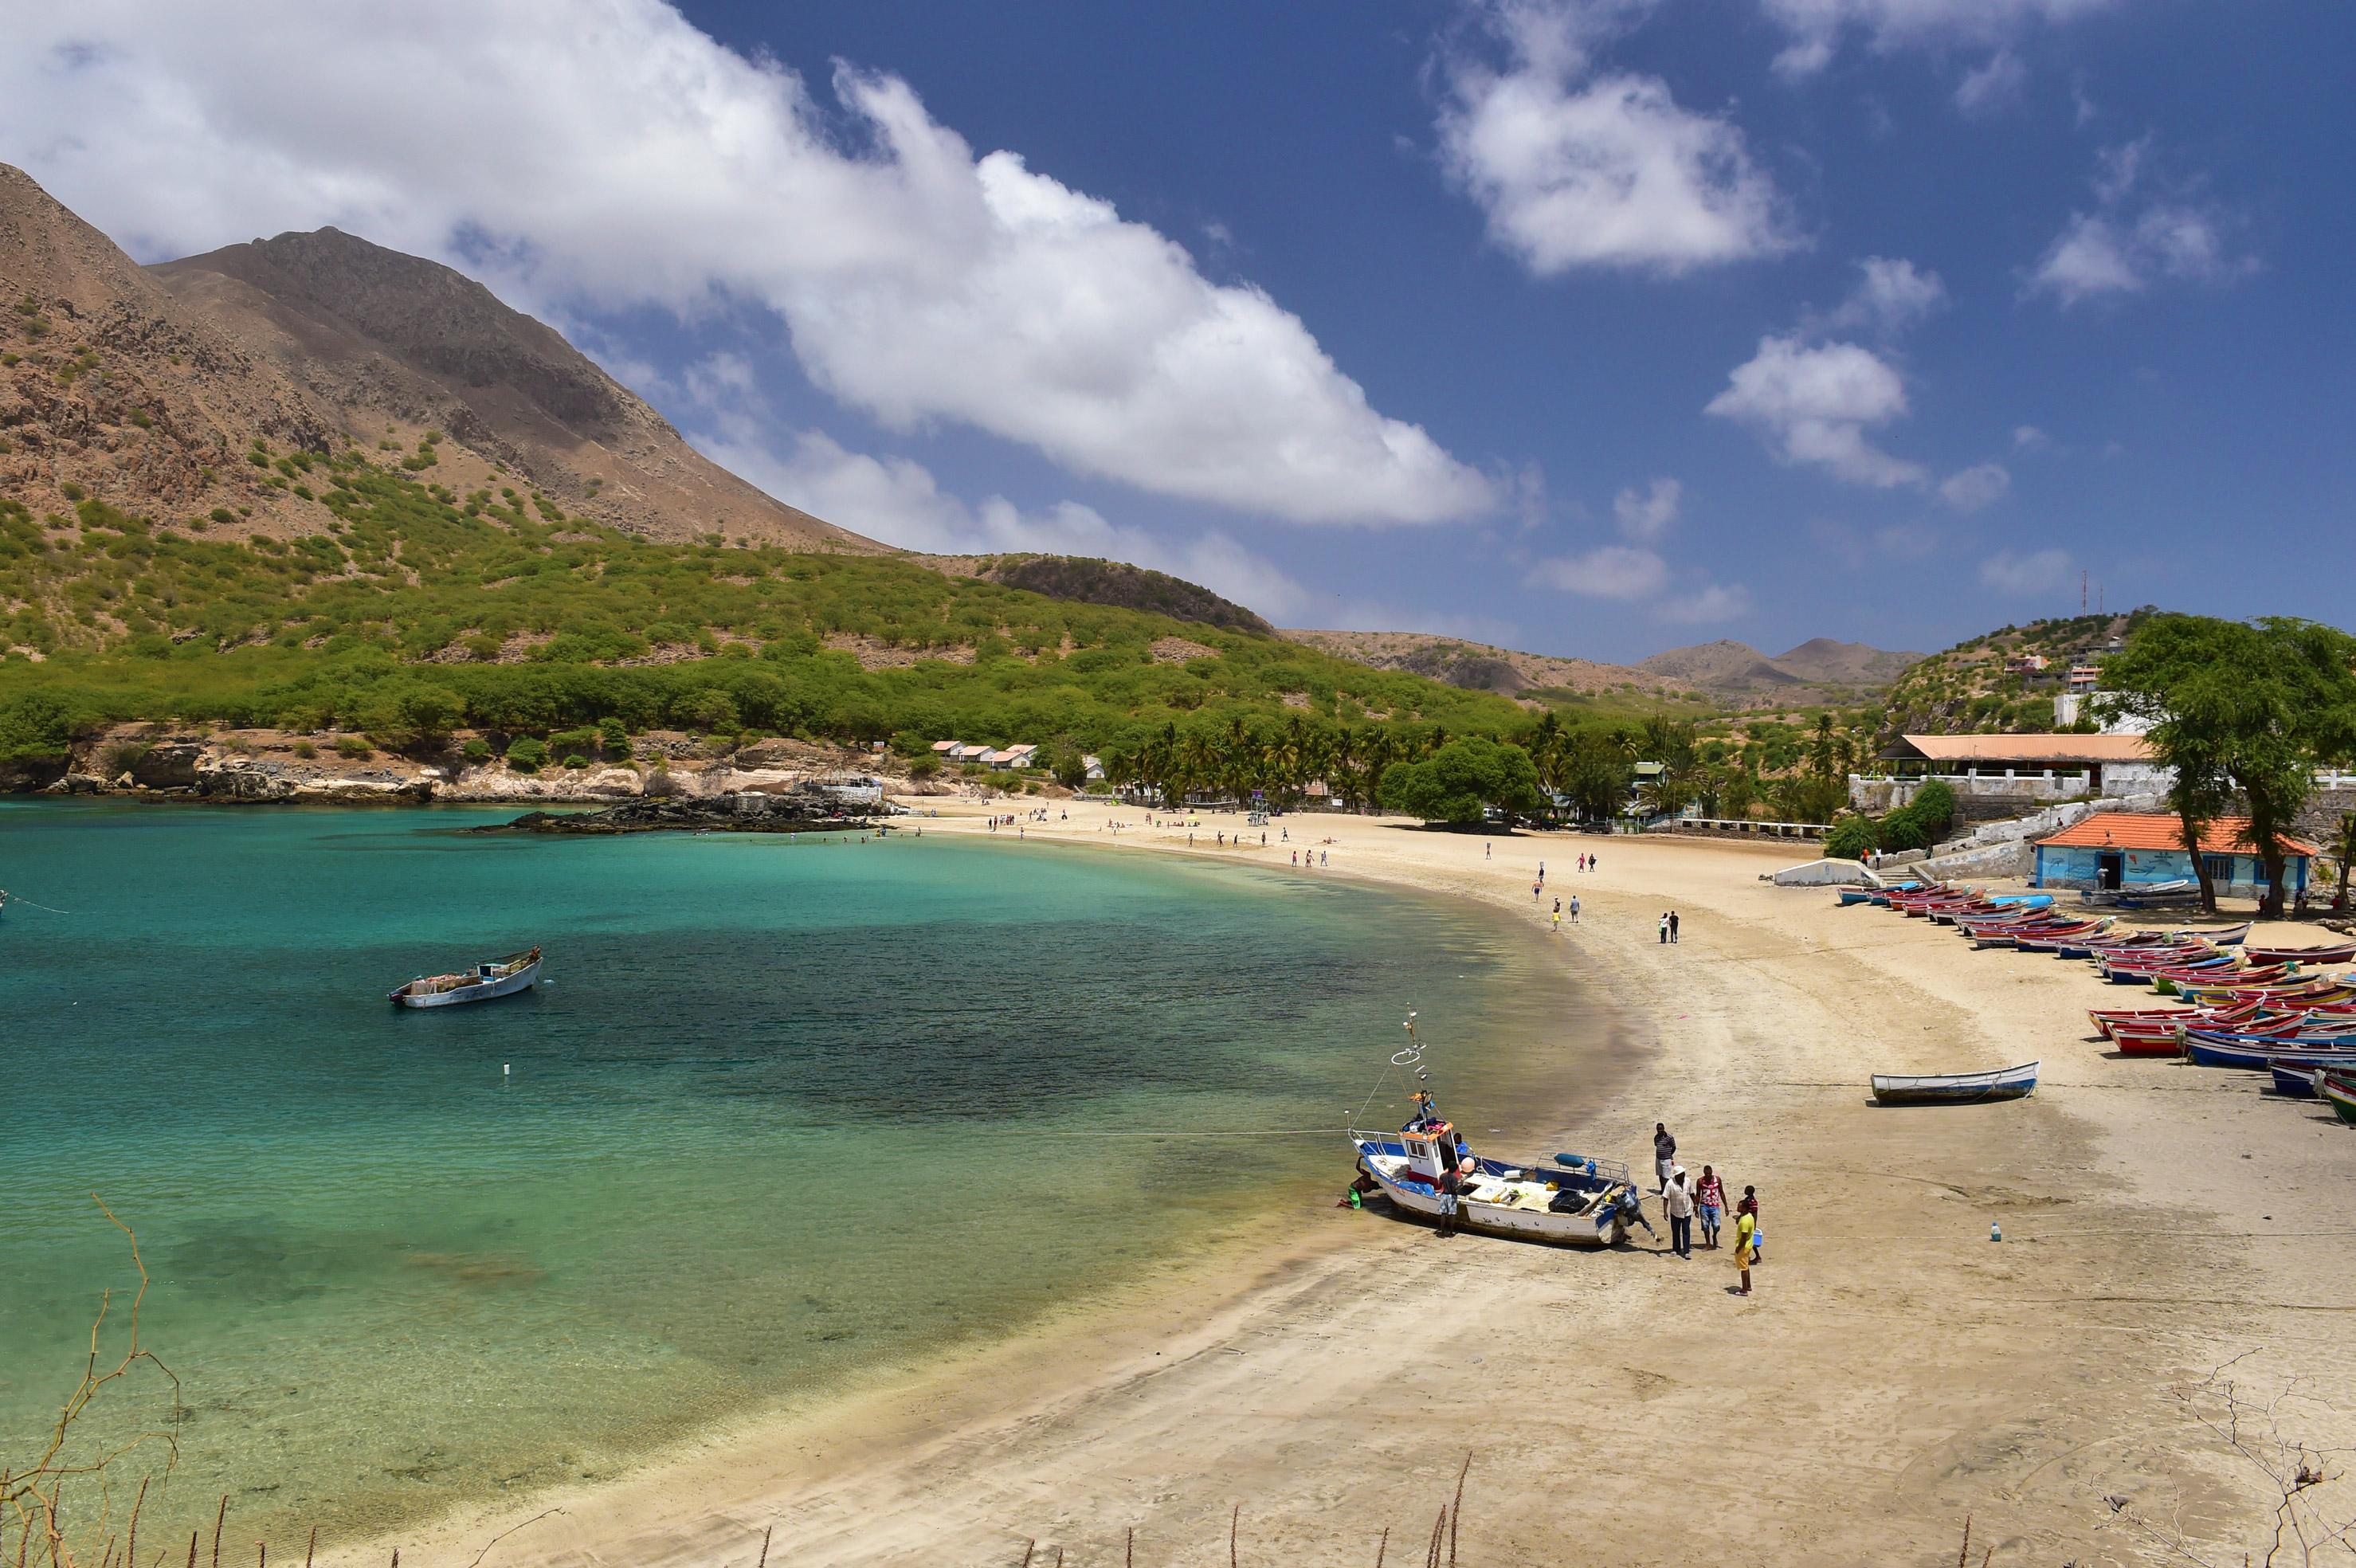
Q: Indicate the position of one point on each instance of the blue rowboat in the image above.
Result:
(1955, 1088)
(2209, 1049)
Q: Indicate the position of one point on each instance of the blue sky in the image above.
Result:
(1590, 326)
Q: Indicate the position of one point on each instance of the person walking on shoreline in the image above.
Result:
(1677, 1201)
(1574, 908)
(1664, 1154)
(1557, 916)
(1673, 927)
(1709, 1203)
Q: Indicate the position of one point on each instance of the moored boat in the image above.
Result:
(2340, 1095)
(1955, 1088)
(500, 977)
(2338, 952)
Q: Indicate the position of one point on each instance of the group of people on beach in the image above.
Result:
(1685, 1201)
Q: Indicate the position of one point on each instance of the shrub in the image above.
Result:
(527, 755)
(576, 761)
(305, 749)
(353, 747)
(614, 739)
(925, 766)
(477, 749)
(222, 514)
(1853, 838)
(143, 419)
(72, 491)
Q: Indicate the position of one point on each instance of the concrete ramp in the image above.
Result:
(1827, 873)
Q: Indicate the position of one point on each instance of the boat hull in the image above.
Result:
(1955, 1088)
(507, 985)
(1606, 1228)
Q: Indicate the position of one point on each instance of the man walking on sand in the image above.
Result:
(1677, 1199)
(1664, 1154)
(1673, 927)
(1574, 908)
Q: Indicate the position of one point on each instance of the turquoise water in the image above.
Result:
(790, 1111)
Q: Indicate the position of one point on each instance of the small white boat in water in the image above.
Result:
(502, 977)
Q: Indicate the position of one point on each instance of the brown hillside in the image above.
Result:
(108, 387)
(396, 344)
(1479, 667)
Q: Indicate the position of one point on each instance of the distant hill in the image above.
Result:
(1115, 582)
(1480, 667)
(1815, 670)
(1967, 690)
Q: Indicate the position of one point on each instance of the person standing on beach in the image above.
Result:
(1537, 891)
(1745, 1253)
(1574, 908)
(1484, 852)
(1749, 1208)
(1450, 1183)
(1673, 927)
(1665, 927)
(1582, 864)
(1664, 1154)
(1709, 1201)
(1594, 863)
(1542, 874)
(1677, 1200)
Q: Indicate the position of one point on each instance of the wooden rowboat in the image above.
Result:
(2340, 952)
(2340, 1095)
(500, 977)
(1955, 1088)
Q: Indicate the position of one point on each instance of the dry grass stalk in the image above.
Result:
(34, 1500)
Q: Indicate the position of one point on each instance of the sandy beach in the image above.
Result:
(1895, 1373)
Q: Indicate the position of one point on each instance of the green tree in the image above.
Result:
(614, 739)
(36, 727)
(2252, 708)
(1458, 781)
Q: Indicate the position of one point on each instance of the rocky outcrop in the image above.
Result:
(804, 811)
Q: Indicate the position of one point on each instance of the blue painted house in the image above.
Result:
(2133, 849)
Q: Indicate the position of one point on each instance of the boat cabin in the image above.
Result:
(1431, 1147)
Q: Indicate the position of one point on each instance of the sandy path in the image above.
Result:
(1896, 1372)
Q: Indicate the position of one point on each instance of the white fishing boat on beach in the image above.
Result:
(1571, 1200)
(500, 977)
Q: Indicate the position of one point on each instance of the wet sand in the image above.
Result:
(1895, 1373)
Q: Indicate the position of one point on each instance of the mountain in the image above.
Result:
(1480, 667)
(1736, 672)
(149, 386)
(397, 345)
(1825, 662)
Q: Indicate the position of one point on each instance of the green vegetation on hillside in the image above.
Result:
(1966, 690)
(421, 611)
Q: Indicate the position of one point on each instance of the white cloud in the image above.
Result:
(2039, 572)
(1891, 295)
(899, 502)
(2126, 245)
(609, 156)
(2029, 439)
(1981, 485)
(1717, 602)
(1608, 571)
(1994, 86)
(1578, 169)
(1816, 26)
(1814, 403)
(1645, 515)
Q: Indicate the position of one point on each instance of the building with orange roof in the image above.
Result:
(2126, 849)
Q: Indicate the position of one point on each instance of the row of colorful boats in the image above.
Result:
(2259, 1007)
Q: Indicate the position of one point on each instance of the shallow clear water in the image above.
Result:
(789, 1110)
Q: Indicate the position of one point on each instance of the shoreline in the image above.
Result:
(1915, 1371)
